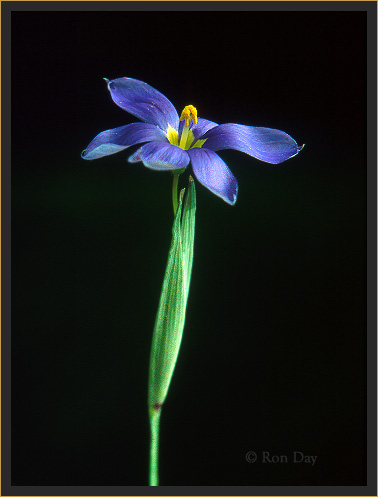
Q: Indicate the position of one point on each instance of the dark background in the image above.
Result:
(273, 354)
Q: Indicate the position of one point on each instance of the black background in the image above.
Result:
(273, 354)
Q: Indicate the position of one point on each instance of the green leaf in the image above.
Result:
(187, 231)
(170, 319)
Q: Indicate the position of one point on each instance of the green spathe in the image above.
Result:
(170, 319)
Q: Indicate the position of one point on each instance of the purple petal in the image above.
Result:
(268, 145)
(117, 139)
(212, 172)
(198, 129)
(144, 102)
(201, 127)
(159, 155)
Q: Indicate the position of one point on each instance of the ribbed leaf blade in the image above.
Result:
(170, 317)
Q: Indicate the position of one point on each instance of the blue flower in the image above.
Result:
(175, 141)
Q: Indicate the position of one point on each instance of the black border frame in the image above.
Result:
(370, 7)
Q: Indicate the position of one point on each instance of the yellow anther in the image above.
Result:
(189, 113)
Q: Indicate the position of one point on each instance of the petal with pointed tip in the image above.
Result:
(143, 101)
(266, 144)
(213, 173)
(115, 140)
(159, 155)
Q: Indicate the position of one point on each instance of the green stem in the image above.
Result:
(174, 192)
(155, 412)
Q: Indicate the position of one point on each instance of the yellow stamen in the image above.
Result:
(189, 113)
(187, 137)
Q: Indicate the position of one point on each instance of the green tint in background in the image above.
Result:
(273, 352)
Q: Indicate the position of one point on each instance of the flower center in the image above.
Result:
(185, 141)
(189, 113)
